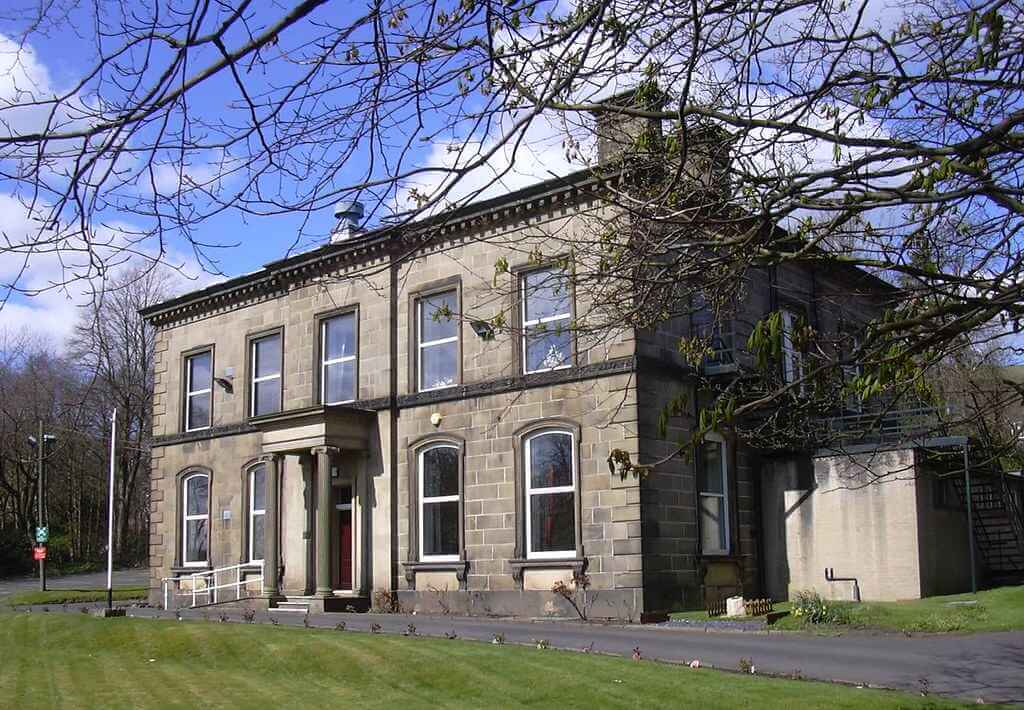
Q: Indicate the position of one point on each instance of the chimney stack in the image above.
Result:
(349, 214)
(621, 135)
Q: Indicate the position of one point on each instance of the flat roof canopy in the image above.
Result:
(347, 428)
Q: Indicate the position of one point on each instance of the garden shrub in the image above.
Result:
(809, 607)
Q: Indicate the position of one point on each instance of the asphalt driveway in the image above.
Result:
(138, 577)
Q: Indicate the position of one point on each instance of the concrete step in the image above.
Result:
(300, 607)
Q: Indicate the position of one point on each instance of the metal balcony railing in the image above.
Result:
(888, 426)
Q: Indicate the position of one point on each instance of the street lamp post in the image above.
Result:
(41, 513)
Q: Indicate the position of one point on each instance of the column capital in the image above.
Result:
(270, 458)
(325, 450)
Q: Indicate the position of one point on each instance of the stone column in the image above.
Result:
(271, 548)
(323, 518)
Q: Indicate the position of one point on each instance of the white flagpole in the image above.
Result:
(110, 514)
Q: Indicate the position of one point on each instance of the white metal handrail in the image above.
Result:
(210, 587)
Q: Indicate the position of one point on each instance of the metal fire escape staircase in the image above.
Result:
(998, 525)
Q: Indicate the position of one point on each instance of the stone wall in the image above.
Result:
(487, 410)
(604, 412)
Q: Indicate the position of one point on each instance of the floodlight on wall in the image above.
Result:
(227, 382)
(483, 329)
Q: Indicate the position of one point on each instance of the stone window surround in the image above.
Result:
(520, 561)
(430, 289)
(185, 355)
(414, 564)
(246, 489)
(517, 272)
(318, 367)
(179, 543)
(250, 337)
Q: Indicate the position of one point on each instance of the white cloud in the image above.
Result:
(540, 155)
(46, 281)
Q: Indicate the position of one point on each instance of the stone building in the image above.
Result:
(347, 422)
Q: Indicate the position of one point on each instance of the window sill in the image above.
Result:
(459, 567)
(723, 369)
(182, 571)
(578, 565)
(720, 557)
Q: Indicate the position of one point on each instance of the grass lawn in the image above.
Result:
(999, 609)
(76, 661)
(73, 596)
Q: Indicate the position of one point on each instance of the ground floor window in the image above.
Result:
(439, 503)
(195, 524)
(257, 511)
(550, 494)
(713, 482)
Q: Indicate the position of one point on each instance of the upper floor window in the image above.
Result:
(198, 390)
(550, 495)
(257, 511)
(714, 497)
(792, 359)
(546, 316)
(338, 358)
(439, 503)
(718, 332)
(266, 374)
(195, 521)
(438, 346)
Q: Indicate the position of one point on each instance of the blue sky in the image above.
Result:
(52, 62)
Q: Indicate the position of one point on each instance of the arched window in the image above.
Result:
(195, 523)
(550, 494)
(713, 481)
(257, 511)
(439, 516)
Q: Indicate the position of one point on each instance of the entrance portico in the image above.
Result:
(327, 447)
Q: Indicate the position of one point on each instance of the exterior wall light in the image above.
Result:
(483, 329)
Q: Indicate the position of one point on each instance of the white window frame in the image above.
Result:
(792, 359)
(724, 496)
(424, 344)
(527, 324)
(531, 492)
(186, 518)
(189, 393)
(325, 363)
(265, 378)
(254, 511)
(423, 501)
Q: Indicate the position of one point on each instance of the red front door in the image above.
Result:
(345, 548)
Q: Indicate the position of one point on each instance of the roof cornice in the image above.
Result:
(390, 241)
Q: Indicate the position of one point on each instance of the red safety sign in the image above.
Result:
(39, 552)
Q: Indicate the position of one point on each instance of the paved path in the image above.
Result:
(988, 666)
(89, 580)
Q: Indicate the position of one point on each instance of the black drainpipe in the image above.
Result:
(393, 410)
